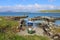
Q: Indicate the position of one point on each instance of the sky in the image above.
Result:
(28, 5)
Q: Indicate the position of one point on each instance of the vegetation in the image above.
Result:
(7, 31)
(50, 11)
(56, 30)
(16, 37)
(7, 28)
(35, 37)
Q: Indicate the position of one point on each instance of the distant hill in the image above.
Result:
(49, 10)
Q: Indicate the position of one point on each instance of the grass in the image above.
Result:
(1, 36)
(57, 30)
(27, 37)
(50, 11)
(4, 22)
(10, 35)
(35, 37)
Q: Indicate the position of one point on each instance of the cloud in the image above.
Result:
(30, 7)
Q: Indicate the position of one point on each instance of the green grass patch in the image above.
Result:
(27, 37)
(35, 37)
(50, 11)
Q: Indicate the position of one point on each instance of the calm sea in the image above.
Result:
(30, 14)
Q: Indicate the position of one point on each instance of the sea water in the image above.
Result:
(30, 15)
